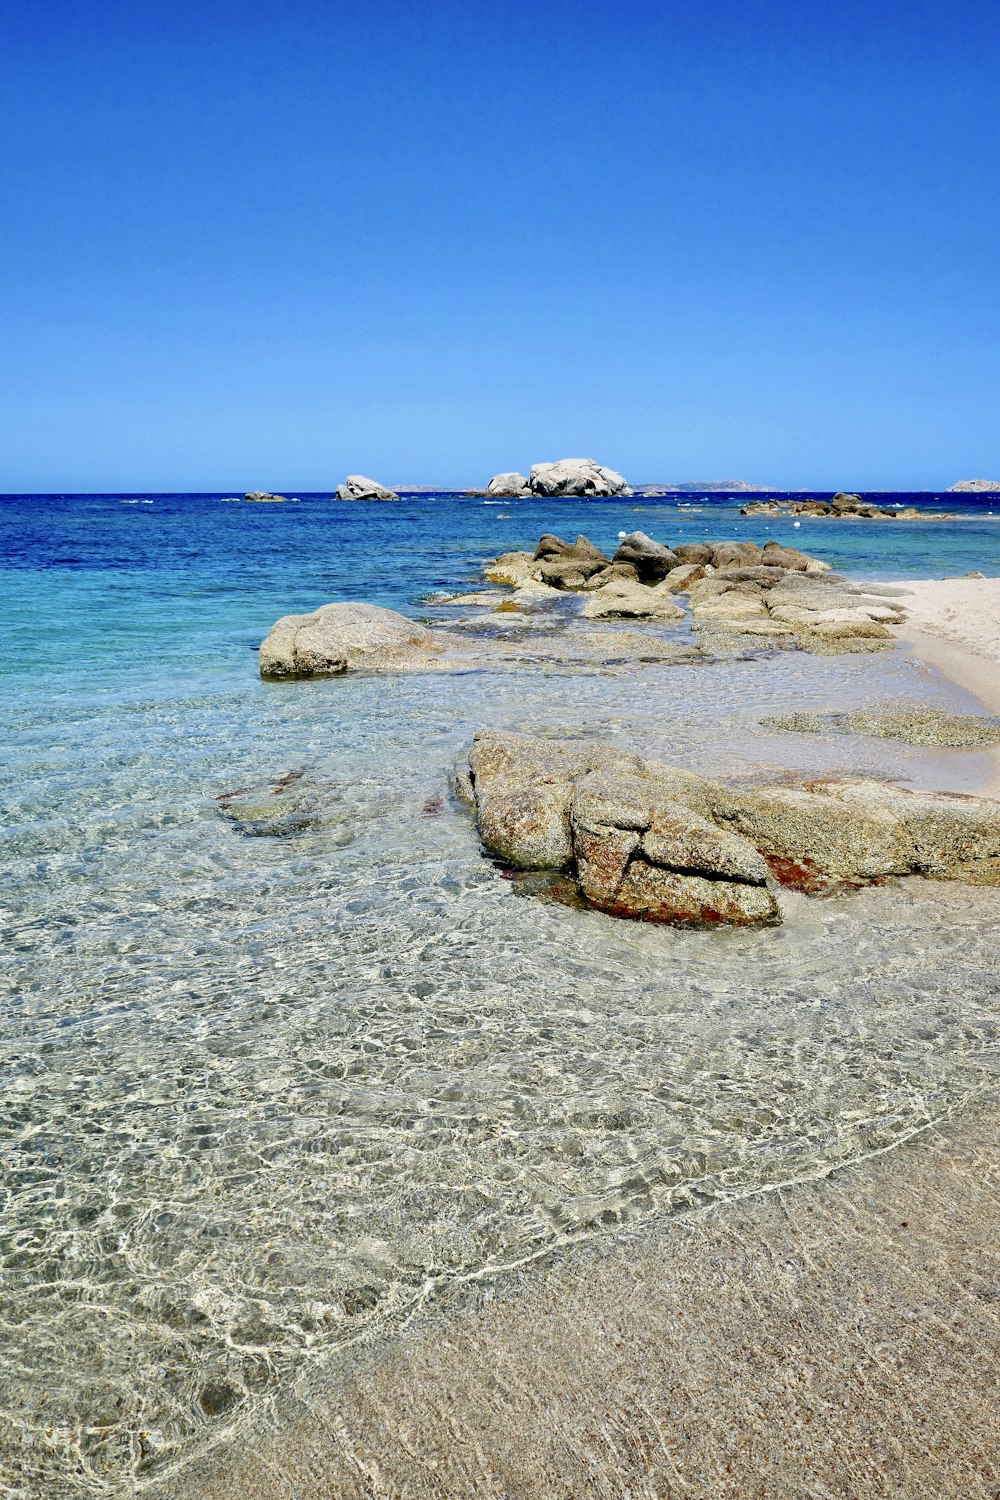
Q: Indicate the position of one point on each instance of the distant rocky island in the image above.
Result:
(706, 486)
(974, 487)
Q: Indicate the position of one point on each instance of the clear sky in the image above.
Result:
(265, 244)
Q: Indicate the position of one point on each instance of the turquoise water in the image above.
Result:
(262, 1096)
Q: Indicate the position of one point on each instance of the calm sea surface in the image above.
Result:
(262, 1096)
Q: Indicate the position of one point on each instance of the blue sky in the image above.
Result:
(262, 245)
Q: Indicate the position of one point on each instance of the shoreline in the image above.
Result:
(840, 1335)
(953, 625)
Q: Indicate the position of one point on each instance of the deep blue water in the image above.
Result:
(192, 578)
(260, 1097)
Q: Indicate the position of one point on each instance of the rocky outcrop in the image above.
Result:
(567, 476)
(339, 638)
(740, 594)
(264, 497)
(595, 812)
(844, 505)
(624, 598)
(509, 486)
(819, 612)
(975, 487)
(358, 487)
(642, 839)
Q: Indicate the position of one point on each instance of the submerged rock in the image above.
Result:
(359, 487)
(911, 725)
(285, 805)
(339, 638)
(648, 840)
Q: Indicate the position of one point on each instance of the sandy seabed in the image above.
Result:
(839, 1338)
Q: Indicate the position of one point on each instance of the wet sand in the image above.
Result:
(836, 1339)
(954, 625)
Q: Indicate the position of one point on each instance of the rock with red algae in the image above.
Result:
(656, 842)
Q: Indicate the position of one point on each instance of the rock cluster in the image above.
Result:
(975, 487)
(567, 476)
(819, 612)
(734, 589)
(843, 505)
(358, 487)
(264, 497)
(338, 638)
(648, 840)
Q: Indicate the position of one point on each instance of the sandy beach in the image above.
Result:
(954, 623)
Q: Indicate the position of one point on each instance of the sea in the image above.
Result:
(268, 1099)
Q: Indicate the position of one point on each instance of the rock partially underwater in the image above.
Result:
(912, 725)
(845, 505)
(567, 476)
(741, 598)
(648, 840)
(338, 638)
(740, 595)
(360, 487)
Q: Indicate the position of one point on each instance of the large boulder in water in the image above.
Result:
(358, 487)
(339, 638)
(576, 476)
(635, 849)
(649, 840)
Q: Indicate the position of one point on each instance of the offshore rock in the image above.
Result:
(359, 487)
(509, 486)
(844, 504)
(264, 497)
(339, 638)
(975, 487)
(576, 476)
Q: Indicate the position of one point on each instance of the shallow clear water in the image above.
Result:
(260, 1095)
